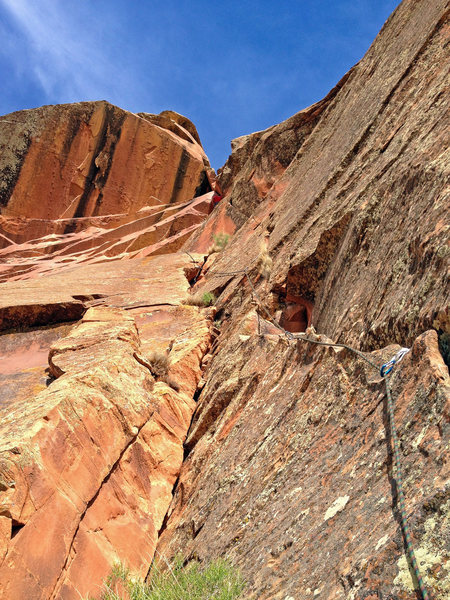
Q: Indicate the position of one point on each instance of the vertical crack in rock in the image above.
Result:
(203, 186)
(73, 125)
(179, 178)
(60, 582)
(101, 161)
(204, 365)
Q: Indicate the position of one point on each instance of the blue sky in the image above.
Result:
(232, 67)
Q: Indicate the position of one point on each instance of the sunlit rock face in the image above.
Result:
(89, 182)
(91, 439)
(73, 160)
(95, 202)
(247, 444)
(289, 470)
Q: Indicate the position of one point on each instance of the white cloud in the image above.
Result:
(64, 53)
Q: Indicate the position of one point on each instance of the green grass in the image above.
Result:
(208, 298)
(200, 299)
(221, 240)
(217, 581)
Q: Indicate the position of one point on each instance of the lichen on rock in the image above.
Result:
(268, 449)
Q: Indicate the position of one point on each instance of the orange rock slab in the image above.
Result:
(87, 465)
(91, 159)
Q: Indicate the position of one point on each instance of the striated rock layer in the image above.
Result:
(154, 230)
(90, 182)
(73, 160)
(339, 219)
(289, 469)
(87, 464)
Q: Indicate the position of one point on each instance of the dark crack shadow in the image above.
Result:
(394, 492)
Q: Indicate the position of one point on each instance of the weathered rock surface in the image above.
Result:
(73, 160)
(87, 465)
(159, 230)
(24, 362)
(289, 471)
(64, 296)
(90, 181)
(339, 217)
(173, 121)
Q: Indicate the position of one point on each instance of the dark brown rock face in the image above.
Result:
(290, 464)
(289, 472)
(339, 219)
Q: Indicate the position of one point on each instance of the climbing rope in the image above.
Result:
(384, 371)
(387, 367)
(397, 476)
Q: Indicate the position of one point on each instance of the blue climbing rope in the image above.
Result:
(384, 371)
(387, 367)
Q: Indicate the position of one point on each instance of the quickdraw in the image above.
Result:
(385, 369)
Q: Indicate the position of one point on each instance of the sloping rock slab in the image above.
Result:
(147, 232)
(65, 295)
(87, 466)
(290, 470)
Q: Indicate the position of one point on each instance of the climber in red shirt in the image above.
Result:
(215, 187)
(216, 199)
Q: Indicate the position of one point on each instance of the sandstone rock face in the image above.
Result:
(65, 295)
(91, 176)
(339, 223)
(24, 362)
(174, 122)
(219, 223)
(155, 230)
(289, 470)
(87, 464)
(73, 160)
(290, 464)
